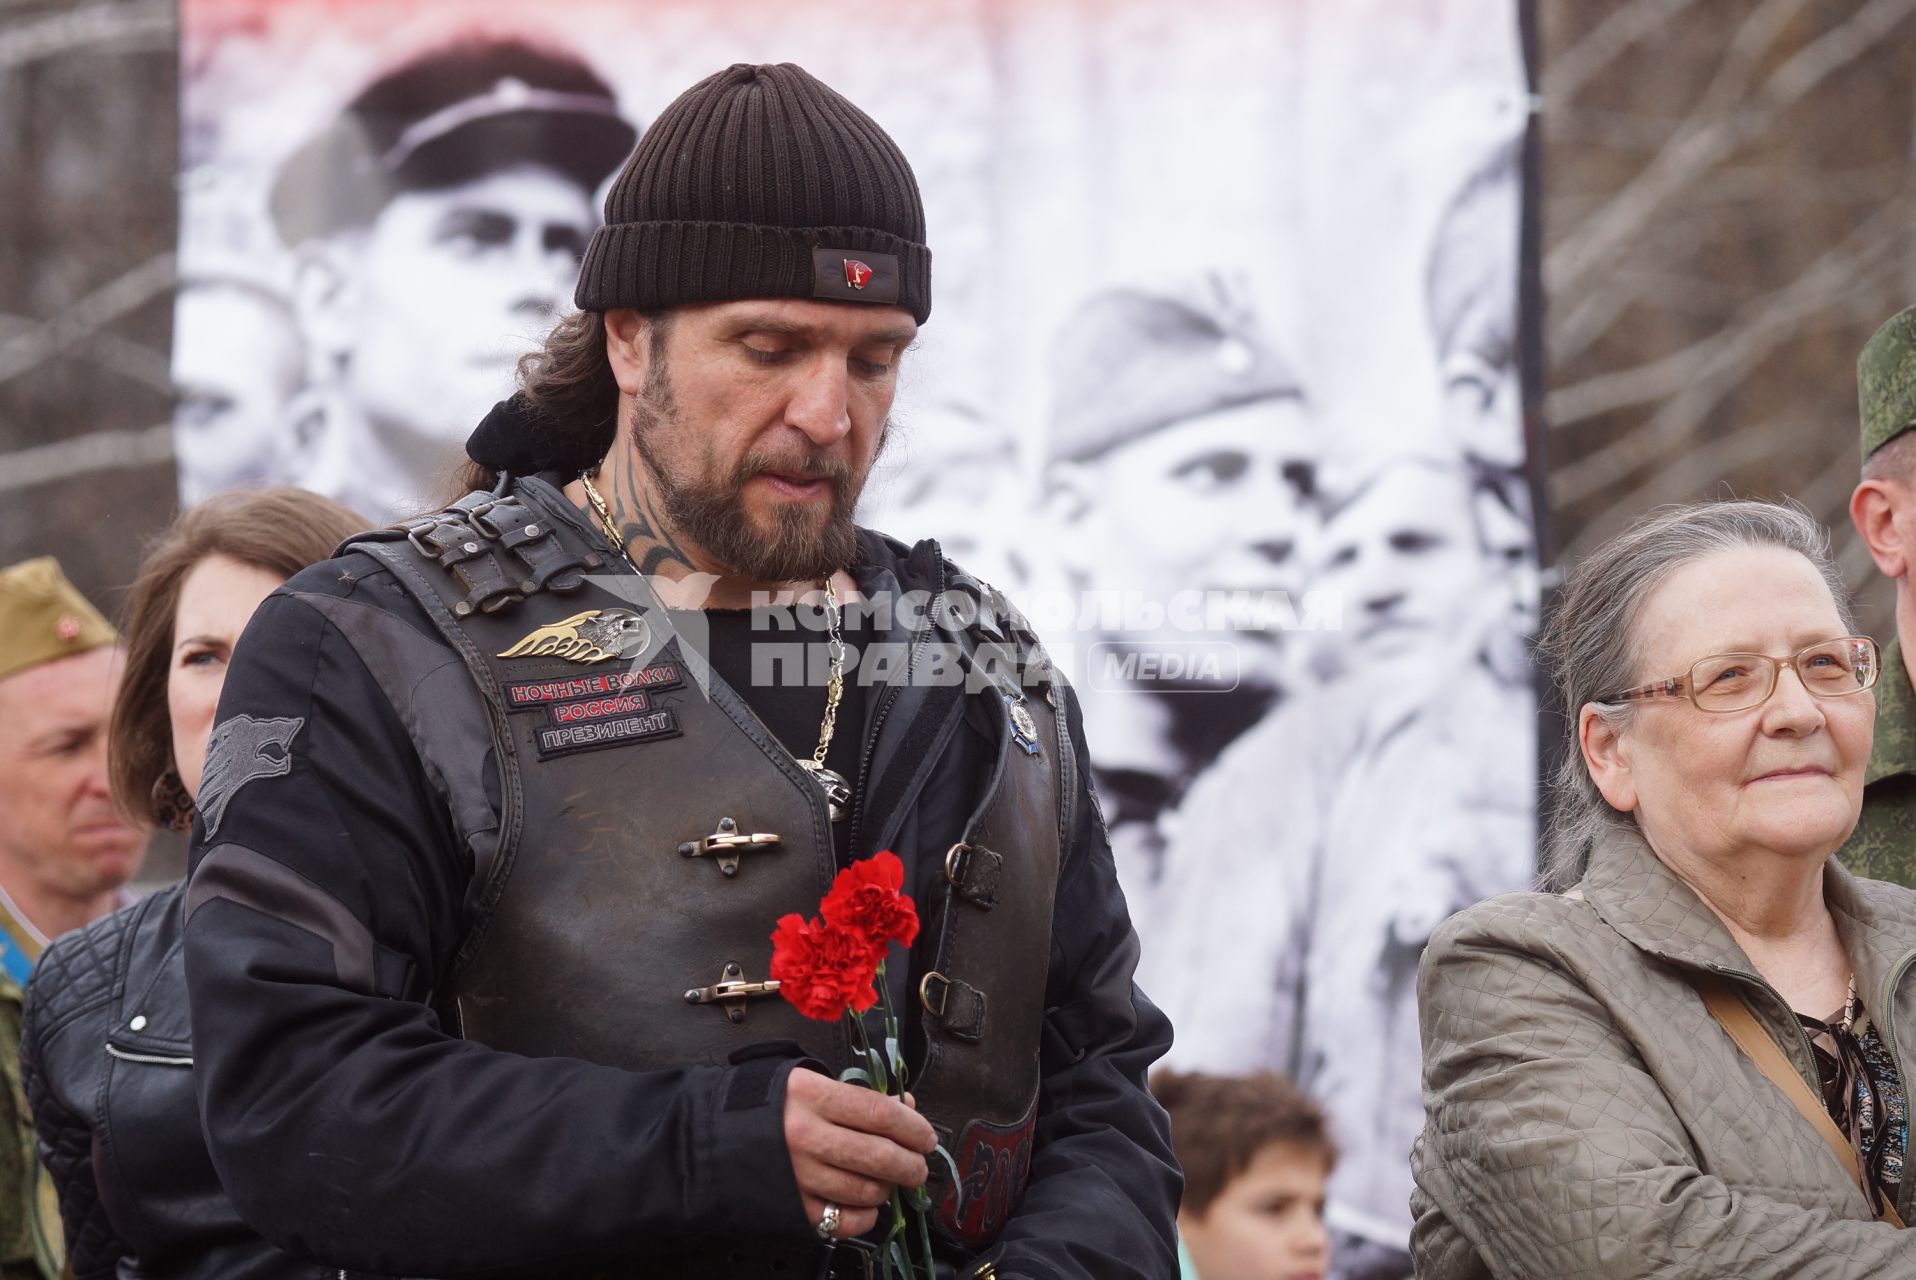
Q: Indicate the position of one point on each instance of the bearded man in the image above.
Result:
(513, 796)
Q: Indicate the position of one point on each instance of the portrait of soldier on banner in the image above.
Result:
(428, 234)
(1223, 395)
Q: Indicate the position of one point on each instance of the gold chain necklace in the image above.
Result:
(605, 521)
(838, 791)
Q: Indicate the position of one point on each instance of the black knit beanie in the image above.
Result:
(761, 182)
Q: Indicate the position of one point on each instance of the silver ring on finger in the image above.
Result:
(827, 1227)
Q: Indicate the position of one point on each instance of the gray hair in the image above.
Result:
(1590, 640)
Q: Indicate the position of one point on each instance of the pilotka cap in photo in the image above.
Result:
(761, 182)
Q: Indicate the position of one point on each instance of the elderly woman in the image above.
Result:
(107, 1054)
(1691, 1063)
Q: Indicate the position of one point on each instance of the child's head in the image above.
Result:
(1256, 1153)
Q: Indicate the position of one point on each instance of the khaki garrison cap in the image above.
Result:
(1886, 381)
(1129, 363)
(44, 618)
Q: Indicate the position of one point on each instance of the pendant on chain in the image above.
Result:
(838, 792)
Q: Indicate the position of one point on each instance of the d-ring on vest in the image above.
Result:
(626, 917)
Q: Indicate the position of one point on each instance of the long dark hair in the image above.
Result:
(568, 394)
(280, 531)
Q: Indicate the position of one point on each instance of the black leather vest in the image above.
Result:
(653, 831)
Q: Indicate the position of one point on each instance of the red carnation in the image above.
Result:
(865, 898)
(823, 969)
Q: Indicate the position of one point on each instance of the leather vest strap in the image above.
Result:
(983, 998)
(627, 913)
(973, 872)
(1749, 1035)
(499, 551)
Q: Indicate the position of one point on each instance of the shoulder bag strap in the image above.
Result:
(1758, 1045)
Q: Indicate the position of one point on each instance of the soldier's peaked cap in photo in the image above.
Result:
(1886, 381)
(761, 182)
(450, 115)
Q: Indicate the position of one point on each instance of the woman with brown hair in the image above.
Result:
(107, 1053)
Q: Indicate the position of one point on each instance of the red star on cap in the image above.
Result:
(67, 628)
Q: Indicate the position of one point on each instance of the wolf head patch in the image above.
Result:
(242, 749)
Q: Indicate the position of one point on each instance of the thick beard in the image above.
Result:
(712, 515)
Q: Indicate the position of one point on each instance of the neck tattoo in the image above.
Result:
(837, 789)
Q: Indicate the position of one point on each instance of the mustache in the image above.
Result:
(812, 465)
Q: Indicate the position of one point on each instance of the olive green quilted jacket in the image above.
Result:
(1586, 1117)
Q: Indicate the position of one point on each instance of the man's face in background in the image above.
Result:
(237, 360)
(948, 473)
(429, 307)
(1403, 554)
(60, 833)
(1218, 502)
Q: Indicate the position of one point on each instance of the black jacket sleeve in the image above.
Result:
(327, 894)
(1103, 1196)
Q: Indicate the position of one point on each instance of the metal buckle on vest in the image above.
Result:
(725, 844)
(958, 1006)
(972, 871)
(731, 991)
(456, 545)
(936, 1008)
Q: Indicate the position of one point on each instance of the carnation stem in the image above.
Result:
(882, 1080)
(924, 1241)
(891, 1027)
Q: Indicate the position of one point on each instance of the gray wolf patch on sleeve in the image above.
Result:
(241, 749)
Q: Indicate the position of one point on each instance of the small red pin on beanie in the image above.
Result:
(857, 274)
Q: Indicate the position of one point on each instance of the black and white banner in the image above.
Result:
(1220, 384)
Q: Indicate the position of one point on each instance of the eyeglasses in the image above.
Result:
(1739, 681)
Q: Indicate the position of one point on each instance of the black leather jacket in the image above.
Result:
(350, 854)
(107, 1058)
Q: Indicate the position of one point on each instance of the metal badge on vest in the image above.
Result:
(596, 936)
(627, 922)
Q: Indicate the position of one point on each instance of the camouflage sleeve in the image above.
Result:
(1883, 846)
(29, 1223)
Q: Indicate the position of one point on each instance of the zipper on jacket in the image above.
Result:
(884, 709)
(127, 1055)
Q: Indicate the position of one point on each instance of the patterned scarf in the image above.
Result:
(1863, 1095)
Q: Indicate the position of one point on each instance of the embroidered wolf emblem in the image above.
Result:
(241, 749)
(592, 636)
